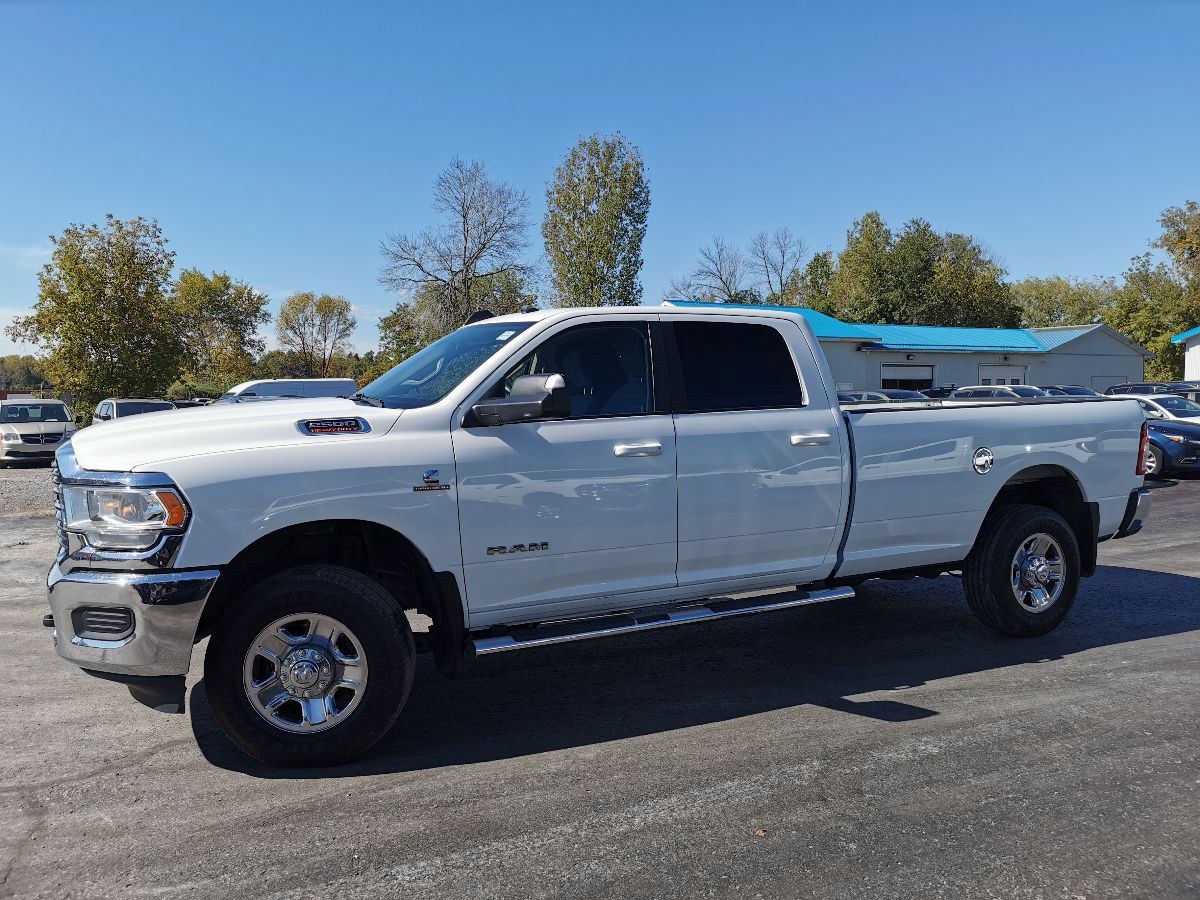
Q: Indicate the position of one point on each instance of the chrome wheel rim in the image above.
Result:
(305, 673)
(1151, 463)
(1038, 573)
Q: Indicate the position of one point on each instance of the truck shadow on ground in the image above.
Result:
(895, 635)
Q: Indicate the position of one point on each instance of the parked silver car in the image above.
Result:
(33, 429)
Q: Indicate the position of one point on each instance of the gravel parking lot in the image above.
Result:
(884, 747)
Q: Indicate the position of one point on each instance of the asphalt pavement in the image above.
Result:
(888, 746)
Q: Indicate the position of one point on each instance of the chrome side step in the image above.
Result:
(608, 626)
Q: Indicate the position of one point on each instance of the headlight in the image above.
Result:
(118, 518)
(11, 436)
(1174, 438)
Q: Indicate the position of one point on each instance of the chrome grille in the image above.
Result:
(60, 525)
(40, 438)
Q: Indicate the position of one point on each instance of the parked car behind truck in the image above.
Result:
(31, 430)
(121, 407)
(544, 478)
(290, 388)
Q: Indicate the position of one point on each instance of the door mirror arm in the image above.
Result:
(532, 397)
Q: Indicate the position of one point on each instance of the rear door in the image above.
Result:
(760, 459)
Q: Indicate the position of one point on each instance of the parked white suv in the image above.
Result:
(543, 478)
(285, 388)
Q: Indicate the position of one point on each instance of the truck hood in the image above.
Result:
(139, 443)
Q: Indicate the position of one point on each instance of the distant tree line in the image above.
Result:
(113, 317)
(918, 276)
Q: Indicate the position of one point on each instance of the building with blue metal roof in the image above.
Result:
(869, 357)
(1191, 352)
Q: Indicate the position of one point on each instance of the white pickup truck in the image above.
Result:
(548, 477)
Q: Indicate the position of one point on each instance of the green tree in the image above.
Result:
(1181, 238)
(862, 289)
(221, 320)
(596, 209)
(1151, 306)
(22, 372)
(813, 284)
(279, 364)
(1059, 301)
(103, 314)
(317, 329)
(918, 277)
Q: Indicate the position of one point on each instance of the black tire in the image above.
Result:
(365, 608)
(988, 573)
(1156, 463)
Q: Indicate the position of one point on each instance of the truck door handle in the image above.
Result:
(649, 448)
(810, 440)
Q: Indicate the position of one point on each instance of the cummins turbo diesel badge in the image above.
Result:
(431, 482)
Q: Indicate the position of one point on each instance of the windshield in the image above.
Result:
(137, 407)
(1179, 406)
(428, 376)
(16, 413)
(1022, 391)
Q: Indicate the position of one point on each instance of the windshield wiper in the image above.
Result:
(360, 397)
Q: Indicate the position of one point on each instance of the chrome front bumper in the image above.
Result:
(166, 609)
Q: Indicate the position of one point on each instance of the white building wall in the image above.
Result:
(1096, 360)
(1191, 359)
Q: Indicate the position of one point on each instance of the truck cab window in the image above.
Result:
(730, 366)
(606, 367)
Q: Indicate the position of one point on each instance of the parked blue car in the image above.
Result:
(1174, 447)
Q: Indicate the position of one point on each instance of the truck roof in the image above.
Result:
(725, 309)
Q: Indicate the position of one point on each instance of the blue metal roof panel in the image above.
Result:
(1052, 338)
(822, 325)
(937, 337)
(1184, 335)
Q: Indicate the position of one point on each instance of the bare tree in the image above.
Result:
(775, 259)
(481, 236)
(721, 274)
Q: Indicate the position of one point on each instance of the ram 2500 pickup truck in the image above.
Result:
(541, 478)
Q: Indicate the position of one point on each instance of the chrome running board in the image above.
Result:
(630, 623)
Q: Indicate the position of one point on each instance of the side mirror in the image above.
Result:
(532, 397)
(79, 419)
(102, 417)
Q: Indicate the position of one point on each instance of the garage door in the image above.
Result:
(1001, 374)
(907, 378)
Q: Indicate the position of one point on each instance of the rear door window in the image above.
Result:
(725, 366)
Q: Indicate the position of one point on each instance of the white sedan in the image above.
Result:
(1167, 406)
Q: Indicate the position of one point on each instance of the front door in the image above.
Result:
(558, 515)
(760, 460)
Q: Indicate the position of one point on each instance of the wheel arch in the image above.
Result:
(1056, 488)
(382, 553)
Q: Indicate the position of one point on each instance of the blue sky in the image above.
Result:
(281, 141)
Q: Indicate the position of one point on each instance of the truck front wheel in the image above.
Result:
(311, 667)
(1023, 573)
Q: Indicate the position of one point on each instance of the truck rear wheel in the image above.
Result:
(311, 668)
(1023, 573)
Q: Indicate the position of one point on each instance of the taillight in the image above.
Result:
(1143, 449)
